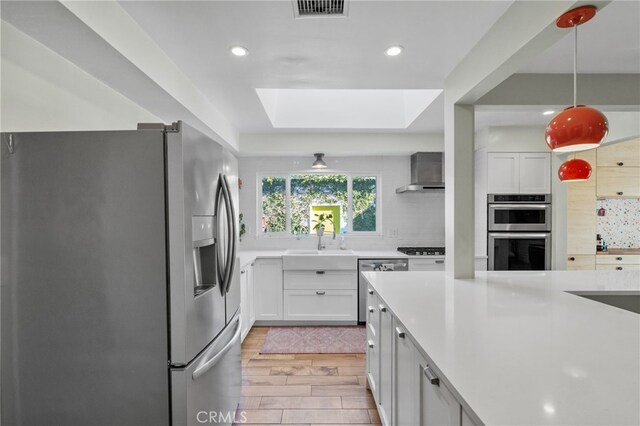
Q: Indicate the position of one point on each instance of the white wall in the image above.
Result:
(417, 219)
(343, 144)
(42, 91)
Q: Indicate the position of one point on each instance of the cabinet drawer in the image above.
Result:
(373, 314)
(623, 154)
(323, 280)
(611, 259)
(320, 305)
(373, 362)
(618, 182)
(620, 267)
(581, 262)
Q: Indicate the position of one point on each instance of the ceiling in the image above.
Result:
(317, 54)
(322, 53)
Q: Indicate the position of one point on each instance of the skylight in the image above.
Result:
(345, 108)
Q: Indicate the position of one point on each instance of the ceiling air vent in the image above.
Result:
(320, 8)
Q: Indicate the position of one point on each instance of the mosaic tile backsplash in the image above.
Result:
(620, 226)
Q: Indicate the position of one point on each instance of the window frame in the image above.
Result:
(287, 176)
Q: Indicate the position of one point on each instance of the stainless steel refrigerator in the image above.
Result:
(119, 282)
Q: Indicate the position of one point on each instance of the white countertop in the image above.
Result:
(519, 350)
(248, 256)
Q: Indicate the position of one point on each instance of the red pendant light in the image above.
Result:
(575, 170)
(578, 127)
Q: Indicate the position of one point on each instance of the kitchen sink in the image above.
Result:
(300, 252)
(318, 260)
(338, 252)
(319, 252)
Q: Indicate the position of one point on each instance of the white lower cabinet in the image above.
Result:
(438, 406)
(247, 308)
(320, 305)
(268, 289)
(386, 364)
(406, 397)
(311, 295)
(407, 389)
(373, 344)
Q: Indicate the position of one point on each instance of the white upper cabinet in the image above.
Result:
(519, 173)
(535, 173)
(504, 173)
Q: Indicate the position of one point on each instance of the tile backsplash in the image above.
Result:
(620, 226)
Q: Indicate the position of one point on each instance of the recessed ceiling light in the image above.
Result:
(239, 51)
(548, 112)
(394, 50)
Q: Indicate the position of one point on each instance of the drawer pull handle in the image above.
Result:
(370, 291)
(242, 272)
(371, 309)
(621, 164)
(439, 261)
(618, 258)
(400, 333)
(370, 343)
(320, 293)
(320, 272)
(383, 308)
(618, 268)
(620, 193)
(431, 377)
(572, 258)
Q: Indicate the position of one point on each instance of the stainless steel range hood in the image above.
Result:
(427, 173)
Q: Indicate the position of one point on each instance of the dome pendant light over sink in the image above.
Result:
(319, 163)
(575, 170)
(578, 127)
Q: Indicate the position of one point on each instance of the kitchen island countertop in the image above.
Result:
(518, 348)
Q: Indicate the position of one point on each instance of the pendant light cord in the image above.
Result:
(575, 65)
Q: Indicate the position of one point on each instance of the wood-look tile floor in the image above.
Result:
(303, 389)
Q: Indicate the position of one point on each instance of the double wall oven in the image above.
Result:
(519, 232)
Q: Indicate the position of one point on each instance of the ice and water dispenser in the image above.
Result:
(204, 253)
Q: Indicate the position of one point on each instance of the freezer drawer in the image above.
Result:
(207, 390)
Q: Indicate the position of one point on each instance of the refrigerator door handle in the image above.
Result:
(217, 357)
(231, 218)
(229, 227)
(220, 254)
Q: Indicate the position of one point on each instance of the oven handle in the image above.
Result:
(545, 235)
(519, 206)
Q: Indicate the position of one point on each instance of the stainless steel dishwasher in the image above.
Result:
(375, 265)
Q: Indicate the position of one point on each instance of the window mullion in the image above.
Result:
(288, 204)
(259, 229)
(349, 203)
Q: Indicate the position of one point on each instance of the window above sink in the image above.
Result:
(289, 204)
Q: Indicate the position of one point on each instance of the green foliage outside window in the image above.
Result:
(274, 211)
(310, 190)
(364, 203)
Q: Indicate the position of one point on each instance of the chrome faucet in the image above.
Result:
(320, 233)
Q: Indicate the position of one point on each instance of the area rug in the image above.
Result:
(315, 340)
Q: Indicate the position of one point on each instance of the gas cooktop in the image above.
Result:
(422, 251)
